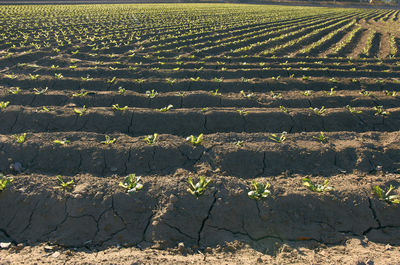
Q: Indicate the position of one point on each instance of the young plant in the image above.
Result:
(318, 111)
(215, 92)
(131, 183)
(14, 91)
(152, 93)
(121, 91)
(40, 91)
(151, 139)
(316, 187)
(4, 104)
(112, 80)
(278, 139)
(353, 110)
(239, 143)
(331, 92)
(62, 142)
(284, 109)
(242, 112)
(390, 93)
(165, 109)
(275, 95)
(33, 77)
(260, 191)
(385, 195)
(80, 111)
(307, 93)
(4, 181)
(380, 111)
(195, 140)
(108, 140)
(65, 185)
(20, 138)
(248, 95)
(365, 92)
(321, 137)
(118, 108)
(199, 188)
(82, 93)
(58, 76)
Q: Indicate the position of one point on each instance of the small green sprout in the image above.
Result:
(316, 187)
(118, 108)
(82, 93)
(275, 95)
(248, 95)
(108, 140)
(44, 109)
(14, 91)
(80, 111)
(278, 139)
(353, 110)
(180, 94)
(365, 92)
(4, 104)
(321, 137)
(151, 139)
(121, 90)
(40, 91)
(306, 77)
(131, 183)
(33, 77)
(318, 111)
(332, 92)
(307, 93)
(87, 78)
(199, 188)
(215, 92)
(204, 109)
(242, 112)
(152, 93)
(112, 80)
(4, 181)
(58, 76)
(65, 185)
(284, 109)
(165, 109)
(20, 138)
(390, 93)
(380, 111)
(195, 140)
(62, 142)
(384, 195)
(260, 191)
(239, 143)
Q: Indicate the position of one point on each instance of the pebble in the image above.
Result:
(56, 254)
(5, 245)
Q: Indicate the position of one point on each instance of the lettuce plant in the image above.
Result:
(65, 185)
(131, 183)
(4, 104)
(195, 140)
(199, 188)
(82, 93)
(151, 139)
(260, 191)
(278, 139)
(4, 181)
(385, 195)
(165, 109)
(80, 111)
(316, 187)
(20, 138)
(116, 107)
(108, 140)
(62, 142)
(380, 111)
(321, 137)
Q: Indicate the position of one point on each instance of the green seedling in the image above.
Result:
(131, 183)
(4, 181)
(87, 78)
(4, 104)
(242, 112)
(390, 93)
(14, 91)
(65, 185)
(305, 77)
(44, 109)
(121, 91)
(248, 95)
(316, 187)
(318, 111)
(199, 188)
(82, 93)
(195, 140)
(307, 93)
(385, 195)
(152, 93)
(204, 109)
(33, 77)
(58, 76)
(278, 139)
(180, 94)
(80, 111)
(353, 110)
(108, 140)
(260, 191)
(118, 108)
(165, 109)
(331, 92)
(239, 143)
(365, 92)
(380, 111)
(40, 91)
(321, 137)
(284, 109)
(62, 142)
(195, 79)
(112, 80)
(20, 138)
(275, 95)
(151, 139)
(215, 92)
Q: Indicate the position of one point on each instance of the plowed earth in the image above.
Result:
(237, 74)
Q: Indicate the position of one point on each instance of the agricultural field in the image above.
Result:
(252, 127)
